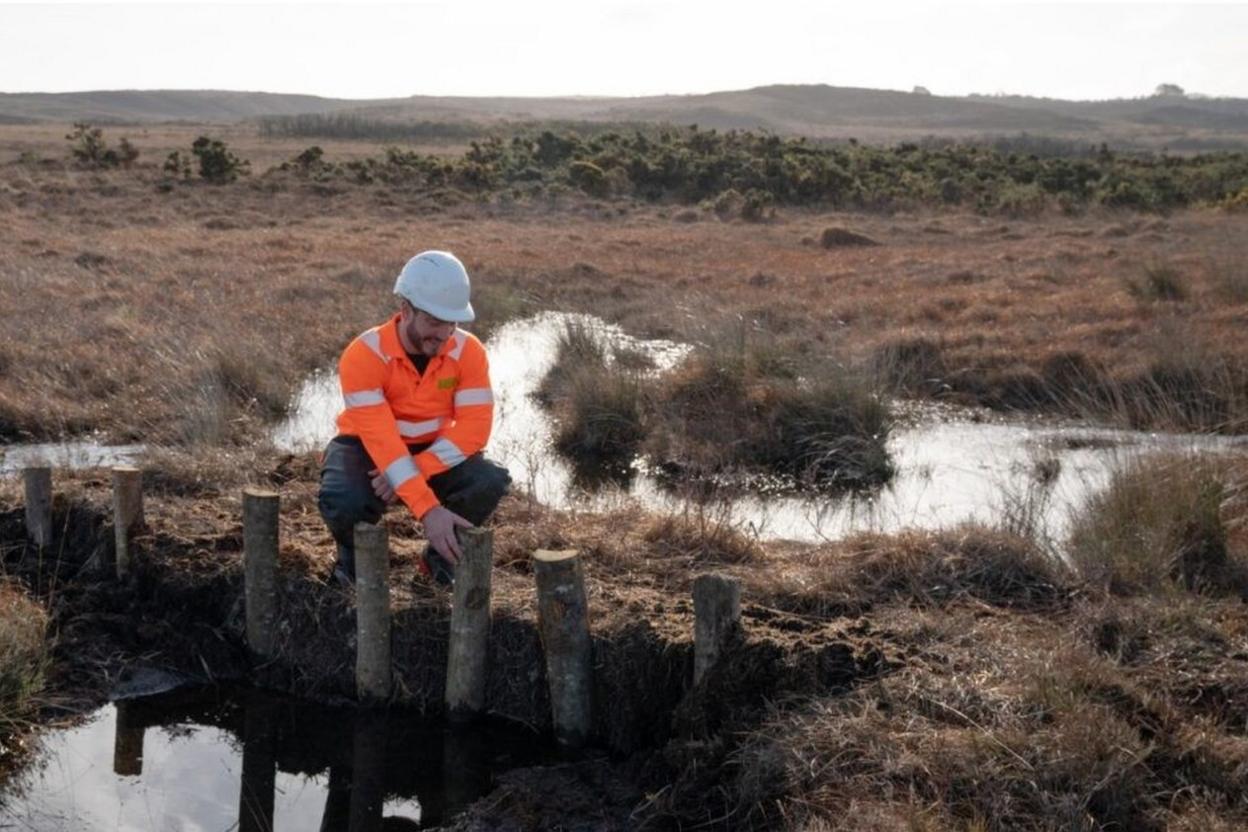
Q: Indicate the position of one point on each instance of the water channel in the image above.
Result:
(949, 470)
(216, 759)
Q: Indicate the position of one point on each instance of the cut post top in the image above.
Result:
(554, 555)
(260, 493)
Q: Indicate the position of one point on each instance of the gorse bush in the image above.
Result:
(178, 164)
(747, 173)
(216, 163)
(89, 149)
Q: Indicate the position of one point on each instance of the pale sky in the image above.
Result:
(1071, 50)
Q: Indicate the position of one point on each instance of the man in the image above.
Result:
(418, 412)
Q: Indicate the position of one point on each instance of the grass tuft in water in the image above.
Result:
(1159, 526)
(749, 403)
(23, 657)
(600, 403)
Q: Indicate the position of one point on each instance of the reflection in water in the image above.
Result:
(368, 781)
(128, 746)
(213, 760)
(947, 471)
(255, 802)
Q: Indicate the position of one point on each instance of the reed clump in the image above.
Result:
(1163, 523)
(23, 658)
(750, 409)
(739, 407)
(600, 402)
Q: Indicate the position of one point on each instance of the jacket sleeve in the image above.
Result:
(362, 374)
(472, 419)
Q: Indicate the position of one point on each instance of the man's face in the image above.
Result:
(426, 333)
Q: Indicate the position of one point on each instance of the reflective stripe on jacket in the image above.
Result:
(390, 406)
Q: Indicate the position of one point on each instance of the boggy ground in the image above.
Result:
(929, 681)
(188, 313)
(949, 680)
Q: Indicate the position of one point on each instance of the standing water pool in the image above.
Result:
(949, 471)
(223, 759)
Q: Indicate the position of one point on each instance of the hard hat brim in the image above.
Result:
(445, 313)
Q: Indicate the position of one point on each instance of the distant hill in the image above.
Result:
(814, 110)
(130, 106)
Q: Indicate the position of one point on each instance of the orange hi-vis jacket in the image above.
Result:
(390, 406)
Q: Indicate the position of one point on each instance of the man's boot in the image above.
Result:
(344, 569)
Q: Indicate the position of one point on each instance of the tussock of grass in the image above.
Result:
(604, 427)
(1160, 282)
(737, 406)
(600, 405)
(23, 657)
(1187, 390)
(1159, 525)
(912, 366)
(756, 406)
(969, 562)
(922, 570)
(1229, 275)
(701, 538)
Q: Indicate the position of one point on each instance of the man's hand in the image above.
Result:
(382, 487)
(440, 524)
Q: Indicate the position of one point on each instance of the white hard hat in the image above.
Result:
(436, 282)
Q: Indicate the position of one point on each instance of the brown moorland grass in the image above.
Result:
(928, 680)
(23, 660)
(193, 314)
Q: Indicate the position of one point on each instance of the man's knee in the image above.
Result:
(476, 490)
(495, 480)
(342, 505)
(346, 496)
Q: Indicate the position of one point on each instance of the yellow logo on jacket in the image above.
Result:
(448, 383)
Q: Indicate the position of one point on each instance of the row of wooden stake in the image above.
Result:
(563, 610)
(127, 509)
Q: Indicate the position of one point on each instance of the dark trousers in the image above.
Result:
(472, 489)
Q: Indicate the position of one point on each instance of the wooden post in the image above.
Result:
(372, 612)
(563, 622)
(717, 615)
(470, 626)
(260, 538)
(38, 504)
(127, 512)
